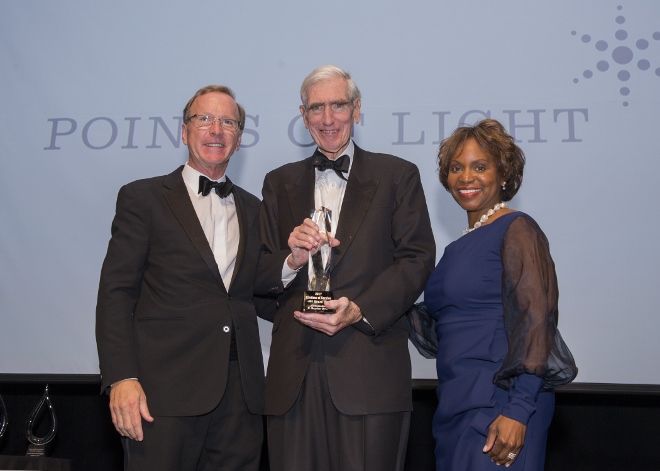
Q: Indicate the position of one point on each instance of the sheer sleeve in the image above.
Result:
(530, 296)
(422, 330)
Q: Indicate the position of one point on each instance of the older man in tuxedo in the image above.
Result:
(338, 385)
(176, 324)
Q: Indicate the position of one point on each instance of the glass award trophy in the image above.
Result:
(37, 445)
(318, 288)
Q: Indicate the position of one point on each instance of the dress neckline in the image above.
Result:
(494, 221)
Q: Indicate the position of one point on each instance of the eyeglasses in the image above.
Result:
(335, 107)
(204, 121)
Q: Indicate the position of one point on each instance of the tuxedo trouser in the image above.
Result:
(227, 438)
(314, 436)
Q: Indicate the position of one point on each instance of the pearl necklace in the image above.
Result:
(485, 217)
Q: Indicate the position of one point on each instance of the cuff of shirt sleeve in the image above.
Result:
(288, 275)
(522, 398)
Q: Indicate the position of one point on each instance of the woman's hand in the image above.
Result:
(505, 440)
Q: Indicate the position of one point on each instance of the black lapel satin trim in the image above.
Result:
(360, 192)
(179, 200)
(301, 194)
(241, 214)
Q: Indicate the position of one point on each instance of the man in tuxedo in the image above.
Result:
(338, 385)
(176, 325)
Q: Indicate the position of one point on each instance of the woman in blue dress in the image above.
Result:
(493, 305)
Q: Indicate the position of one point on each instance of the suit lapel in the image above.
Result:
(241, 215)
(300, 194)
(360, 192)
(179, 201)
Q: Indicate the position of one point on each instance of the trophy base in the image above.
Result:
(36, 451)
(313, 302)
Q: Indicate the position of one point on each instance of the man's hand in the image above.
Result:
(128, 406)
(304, 239)
(505, 439)
(347, 313)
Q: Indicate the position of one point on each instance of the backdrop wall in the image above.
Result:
(92, 98)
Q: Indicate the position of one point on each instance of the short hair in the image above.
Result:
(328, 72)
(493, 139)
(219, 89)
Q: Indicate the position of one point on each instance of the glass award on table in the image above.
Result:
(318, 288)
(37, 447)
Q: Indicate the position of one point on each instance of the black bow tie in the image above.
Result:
(340, 165)
(221, 188)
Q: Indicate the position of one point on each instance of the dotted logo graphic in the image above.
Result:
(622, 55)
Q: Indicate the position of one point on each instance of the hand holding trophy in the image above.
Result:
(318, 288)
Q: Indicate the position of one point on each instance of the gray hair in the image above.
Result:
(328, 72)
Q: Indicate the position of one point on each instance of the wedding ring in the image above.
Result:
(512, 456)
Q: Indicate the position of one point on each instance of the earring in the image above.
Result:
(504, 186)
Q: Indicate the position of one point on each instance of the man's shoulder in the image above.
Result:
(156, 181)
(386, 163)
(246, 196)
(289, 169)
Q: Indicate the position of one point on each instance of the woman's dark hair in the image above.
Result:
(493, 139)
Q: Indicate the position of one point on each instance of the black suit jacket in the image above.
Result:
(386, 253)
(163, 313)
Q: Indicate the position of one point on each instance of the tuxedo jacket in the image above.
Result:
(163, 314)
(386, 253)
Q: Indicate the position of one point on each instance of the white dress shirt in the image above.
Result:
(219, 222)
